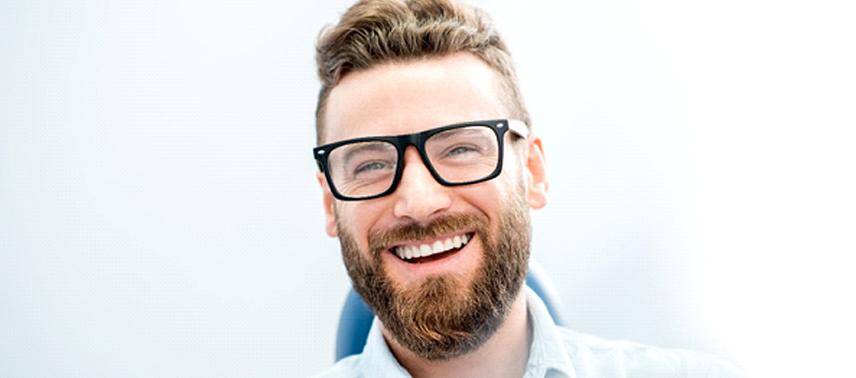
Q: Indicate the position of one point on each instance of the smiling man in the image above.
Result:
(428, 167)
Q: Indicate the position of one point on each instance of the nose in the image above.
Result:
(419, 196)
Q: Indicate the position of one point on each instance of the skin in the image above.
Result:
(400, 98)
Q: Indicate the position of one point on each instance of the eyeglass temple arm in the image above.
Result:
(518, 127)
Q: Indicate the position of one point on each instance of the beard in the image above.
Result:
(443, 316)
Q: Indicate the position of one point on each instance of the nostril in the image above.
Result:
(420, 207)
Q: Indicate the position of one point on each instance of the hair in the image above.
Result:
(375, 32)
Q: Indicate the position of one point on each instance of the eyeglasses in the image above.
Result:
(459, 154)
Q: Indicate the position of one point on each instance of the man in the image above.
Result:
(428, 167)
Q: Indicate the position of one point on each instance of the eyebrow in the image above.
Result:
(454, 132)
(366, 147)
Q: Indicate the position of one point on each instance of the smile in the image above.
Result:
(412, 252)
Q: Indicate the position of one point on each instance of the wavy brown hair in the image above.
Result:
(375, 32)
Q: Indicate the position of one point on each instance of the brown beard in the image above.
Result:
(436, 320)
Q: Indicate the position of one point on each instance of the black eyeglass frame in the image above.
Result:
(417, 140)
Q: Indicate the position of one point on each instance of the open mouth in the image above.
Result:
(419, 253)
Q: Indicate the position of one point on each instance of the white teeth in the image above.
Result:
(423, 250)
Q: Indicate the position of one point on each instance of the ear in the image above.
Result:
(537, 185)
(329, 213)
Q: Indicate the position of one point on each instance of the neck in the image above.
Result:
(503, 355)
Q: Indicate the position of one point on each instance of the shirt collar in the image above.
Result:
(377, 360)
(547, 351)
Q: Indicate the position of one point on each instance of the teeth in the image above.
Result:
(439, 246)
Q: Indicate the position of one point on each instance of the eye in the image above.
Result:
(371, 166)
(461, 150)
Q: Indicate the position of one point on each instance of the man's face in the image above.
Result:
(447, 304)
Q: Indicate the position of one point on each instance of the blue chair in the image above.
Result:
(356, 319)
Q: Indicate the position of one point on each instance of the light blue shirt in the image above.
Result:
(558, 352)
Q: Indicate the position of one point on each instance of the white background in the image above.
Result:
(159, 214)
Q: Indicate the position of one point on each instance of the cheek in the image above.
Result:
(510, 179)
(358, 219)
(487, 197)
(512, 166)
(347, 222)
(490, 195)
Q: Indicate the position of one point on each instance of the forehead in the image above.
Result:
(401, 98)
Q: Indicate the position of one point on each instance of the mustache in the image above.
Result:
(381, 240)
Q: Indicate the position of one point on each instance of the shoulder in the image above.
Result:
(596, 357)
(345, 368)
